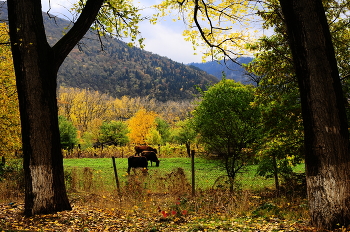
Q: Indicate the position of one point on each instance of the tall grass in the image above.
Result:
(167, 189)
(12, 181)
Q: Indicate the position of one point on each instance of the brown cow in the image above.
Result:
(151, 156)
(140, 149)
(137, 162)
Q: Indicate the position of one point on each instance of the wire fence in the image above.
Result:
(174, 174)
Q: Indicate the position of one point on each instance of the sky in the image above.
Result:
(165, 38)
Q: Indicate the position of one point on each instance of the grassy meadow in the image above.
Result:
(208, 173)
(160, 200)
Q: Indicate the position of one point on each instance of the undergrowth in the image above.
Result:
(170, 196)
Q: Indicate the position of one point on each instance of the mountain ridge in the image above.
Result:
(120, 70)
(228, 68)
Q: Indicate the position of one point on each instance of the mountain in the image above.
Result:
(231, 69)
(110, 66)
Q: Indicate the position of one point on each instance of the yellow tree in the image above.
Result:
(65, 101)
(123, 108)
(86, 106)
(140, 125)
(10, 128)
(93, 131)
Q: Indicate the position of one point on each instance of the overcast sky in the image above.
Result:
(165, 38)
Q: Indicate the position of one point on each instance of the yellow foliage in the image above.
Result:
(10, 129)
(94, 127)
(83, 107)
(225, 24)
(87, 109)
(140, 125)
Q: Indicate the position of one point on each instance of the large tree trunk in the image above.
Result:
(36, 65)
(36, 84)
(325, 124)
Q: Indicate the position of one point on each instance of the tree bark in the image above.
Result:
(323, 108)
(36, 65)
(275, 174)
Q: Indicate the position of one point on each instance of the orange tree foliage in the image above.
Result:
(10, 128)
(140, 125)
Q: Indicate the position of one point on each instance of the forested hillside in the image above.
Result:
(111, 66)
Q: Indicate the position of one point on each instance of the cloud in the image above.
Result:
(60, 8)
(165, 38)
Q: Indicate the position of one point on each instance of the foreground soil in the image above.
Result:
(83, 218)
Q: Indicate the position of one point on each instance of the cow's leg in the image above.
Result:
(129, 170)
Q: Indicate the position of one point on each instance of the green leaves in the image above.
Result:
(184, 132)
(227, 122)
(119, 18)
(68, 133)
(225, 114)
(114, 131)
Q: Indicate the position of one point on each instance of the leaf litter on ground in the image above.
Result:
(87, 218)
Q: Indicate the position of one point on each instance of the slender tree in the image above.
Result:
(36, 64)
(228, 124)
(323, 109)
(184, 133)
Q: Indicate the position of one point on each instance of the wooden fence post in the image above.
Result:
(193, 173)
(116, 174)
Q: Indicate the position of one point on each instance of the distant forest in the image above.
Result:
(110, 66)
(114, 68)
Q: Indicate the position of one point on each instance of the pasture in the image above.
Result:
(208, 174)
(161, 200)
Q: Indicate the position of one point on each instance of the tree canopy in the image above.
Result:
(114, 131)
(227, 122)
(10, 126)
(140, 125)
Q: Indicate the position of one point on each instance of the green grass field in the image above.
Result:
(208, 173)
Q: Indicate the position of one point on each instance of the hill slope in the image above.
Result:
(122, 70)
(231, 70)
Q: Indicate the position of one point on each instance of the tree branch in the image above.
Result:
(63, 47)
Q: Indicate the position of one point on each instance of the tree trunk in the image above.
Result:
(275, 174)
(36, 65)
(325, 124)
(188, 148)
(36, 84)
